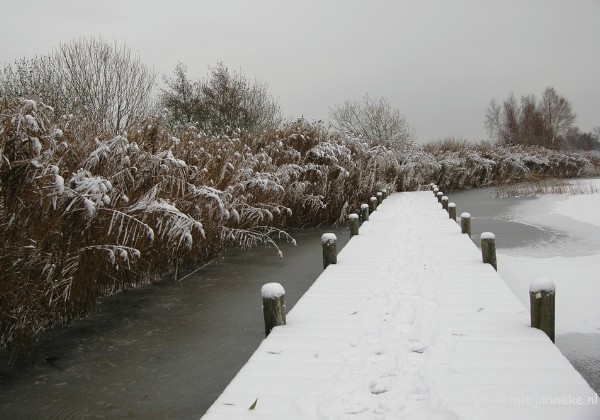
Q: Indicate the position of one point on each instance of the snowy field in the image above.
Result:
(408, 325)
(573, 263)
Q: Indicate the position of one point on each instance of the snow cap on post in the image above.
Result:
(542, 293)
(542, 284)
(272, 291)
(353, 224)
(452, 211)
(445, 202)
(364, 208)
(328, 240)
(373, 203)
(465, 223)
(488, 249)
(273, 305)
(328, 237)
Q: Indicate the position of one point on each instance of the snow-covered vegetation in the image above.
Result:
(85, 214)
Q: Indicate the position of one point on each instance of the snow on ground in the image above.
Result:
(408, 325)
(572, 263)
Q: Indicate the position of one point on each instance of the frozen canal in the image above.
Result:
(166, 350)
(553, 236)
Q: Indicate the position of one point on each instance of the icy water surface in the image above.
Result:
(495, 215)
(166, 350)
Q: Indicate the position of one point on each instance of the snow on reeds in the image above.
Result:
(84, 215)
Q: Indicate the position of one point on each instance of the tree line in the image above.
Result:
(548, 122)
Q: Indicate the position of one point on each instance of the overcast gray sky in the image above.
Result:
(439, 62)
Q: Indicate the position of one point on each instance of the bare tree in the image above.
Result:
(223, 102)
(182, 97)
(101, 82)
(546, 122)
(558, 117)
(373, 120)
(502, 121)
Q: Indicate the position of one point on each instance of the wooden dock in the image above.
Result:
(409, 324)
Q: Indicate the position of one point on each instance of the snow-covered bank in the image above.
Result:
(573, 263)
(409, 324)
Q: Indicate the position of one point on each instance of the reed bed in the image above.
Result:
(85, 214)
(539, 188)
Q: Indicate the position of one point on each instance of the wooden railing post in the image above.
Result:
(353, 223)
(273, 298)
(385, 194)
(488, 249)
(465, 223)
(372, 204)
(329, 249)
(445, 203)
(379, 196)
(439, 196)
(452, 211)
(435, 191)
(541, 298)
(364, 208)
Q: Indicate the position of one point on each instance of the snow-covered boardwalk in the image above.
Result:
(409, 324)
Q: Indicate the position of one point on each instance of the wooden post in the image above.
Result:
(465, 223)
(372, 204)
(364, 208)
(439, 196)
(273, 297)
(353, 223)
(452, 211)
(541, 299)
(488, 249)
(435, 191)
(385, 194)
(445, 203)
(329, 249)
(379, 196)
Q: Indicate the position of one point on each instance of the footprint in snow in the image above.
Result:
(378, 388)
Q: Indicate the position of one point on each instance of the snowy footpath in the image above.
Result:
(409, 324)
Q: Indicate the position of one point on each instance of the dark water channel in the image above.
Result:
(493, 215)
(166, 350)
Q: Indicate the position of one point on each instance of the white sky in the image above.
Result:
(439, 62)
